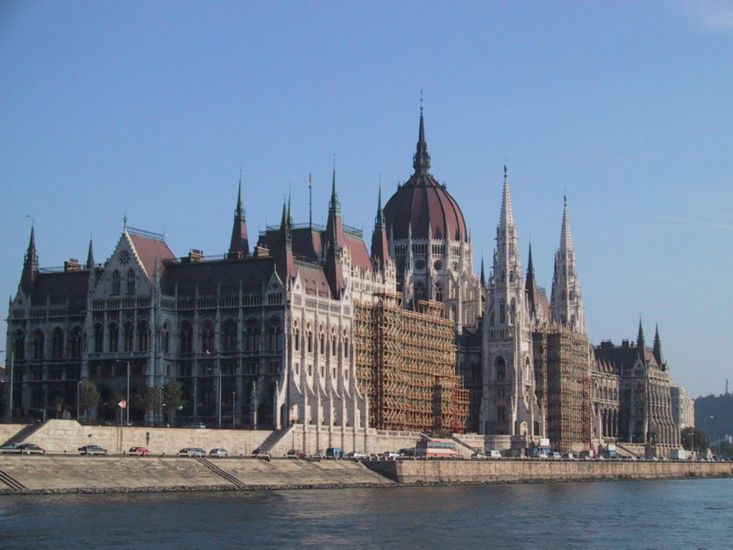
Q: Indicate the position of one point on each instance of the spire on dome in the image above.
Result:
(421, 161)
(239, 243)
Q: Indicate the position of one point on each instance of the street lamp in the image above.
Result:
(127, 398)
(78, 387)
(234, 407)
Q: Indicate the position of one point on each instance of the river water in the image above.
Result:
(651, 514)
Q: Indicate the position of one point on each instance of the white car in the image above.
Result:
(219, 453)
(192, 452)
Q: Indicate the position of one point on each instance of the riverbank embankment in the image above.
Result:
(53, 474)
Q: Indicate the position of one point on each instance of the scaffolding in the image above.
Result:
(563, 386)
(406, 365)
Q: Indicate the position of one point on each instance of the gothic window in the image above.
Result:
(419, 264)
(207, 337)
(130, 281)
(251, 336)
(143, 337)
(308, 339)
(186, 337)
(164, 344)
(19, 347)
(76, 342)
(321, 341)
(129, 336)
(501, 413)
(439, 292)
(346, 347)
(115, 283)
(502, 312)
(492, 318)
(334, 345)
(114, 335)
(438, 265)
(511, 276)
(513, 312)
(500, 368)
(273, 334)
(229, 336)
(57, 343)
(420, 290)
(296, 339)
(98, 338)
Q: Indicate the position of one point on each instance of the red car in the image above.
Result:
(295, 453)
(139, 451)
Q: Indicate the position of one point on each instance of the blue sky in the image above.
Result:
(150, 109)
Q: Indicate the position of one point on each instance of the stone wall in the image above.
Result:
(508, 470)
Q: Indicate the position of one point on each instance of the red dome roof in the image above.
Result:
(422, 202)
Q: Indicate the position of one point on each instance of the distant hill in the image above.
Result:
(720, 408)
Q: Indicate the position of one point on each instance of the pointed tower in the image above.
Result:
(90, 256)
(509, 405)
(239, 243)
(421, 160)
(658, 348)
(483, 274)
(30, 264)
(566, 302)
(640, 342)
(530, 287)
(334, 243)
(283, 253)
(380, 248)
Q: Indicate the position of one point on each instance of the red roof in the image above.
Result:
(150, 250)
(423, 202)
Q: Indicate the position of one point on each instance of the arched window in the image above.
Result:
(229, 336)
(346, 347)
(98, 338)
(321, 341)
(164, 338)
(143, 335)
(186, 337)
(420, 290)
(207, 337)
(296, 338)
(308, 339)
(251, 336)
(273, 334)
(38, 344)
(439, 292)
(501, 413)
(513, 312)
(130, 281)
(500, 368)
(76, 342)
(129, 336)
(115, 283)
(19, 347)
(57, 343)
(502, 313)
(114, 335)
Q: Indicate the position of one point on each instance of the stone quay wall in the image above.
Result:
(510, 470)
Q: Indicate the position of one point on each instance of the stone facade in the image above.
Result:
(683, 408)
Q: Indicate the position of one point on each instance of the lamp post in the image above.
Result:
(234, 406)
(9, 408)
(127, 392)
(78, 387)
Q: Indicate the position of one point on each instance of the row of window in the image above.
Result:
(332, 341)
(59, 350)
(117, 282)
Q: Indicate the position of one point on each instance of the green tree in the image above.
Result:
(88, 397)
(58, 404)
(172, 399)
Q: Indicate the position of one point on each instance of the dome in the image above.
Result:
(423, 203)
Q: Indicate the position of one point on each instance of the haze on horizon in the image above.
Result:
(150, 109)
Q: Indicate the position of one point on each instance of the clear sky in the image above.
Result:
(150, 109)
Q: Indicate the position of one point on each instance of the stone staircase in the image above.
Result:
(24, 433)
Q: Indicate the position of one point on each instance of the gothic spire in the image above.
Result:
(640, 344)
(334, 203)
(239, 243)
(483, 273)
(334, 242)
(90, 255)
(421, 161)
(30, 263)
(380, 248)
(658, 347)
(506, 216)
(566, 240)
(530, 265)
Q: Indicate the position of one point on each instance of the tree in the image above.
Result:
(88, 397)
(694, 439)
(58, 404)
(172, 398)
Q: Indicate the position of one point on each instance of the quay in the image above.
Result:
(53, 474)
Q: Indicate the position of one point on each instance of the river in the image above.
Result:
(650, 514)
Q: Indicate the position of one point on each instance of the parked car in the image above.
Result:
(295, 453)
(334, 452)
(479, 456)
(568, 456)
(408, 452)
(493, 453)
(139, 451)
(92, 450)
(191, 452)
(317, 456)
(554, 456)
(11, 448)
(219, 453)
(357, 455)
(30, 449)
(389, 454)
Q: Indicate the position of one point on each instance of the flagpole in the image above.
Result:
(310, 202)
